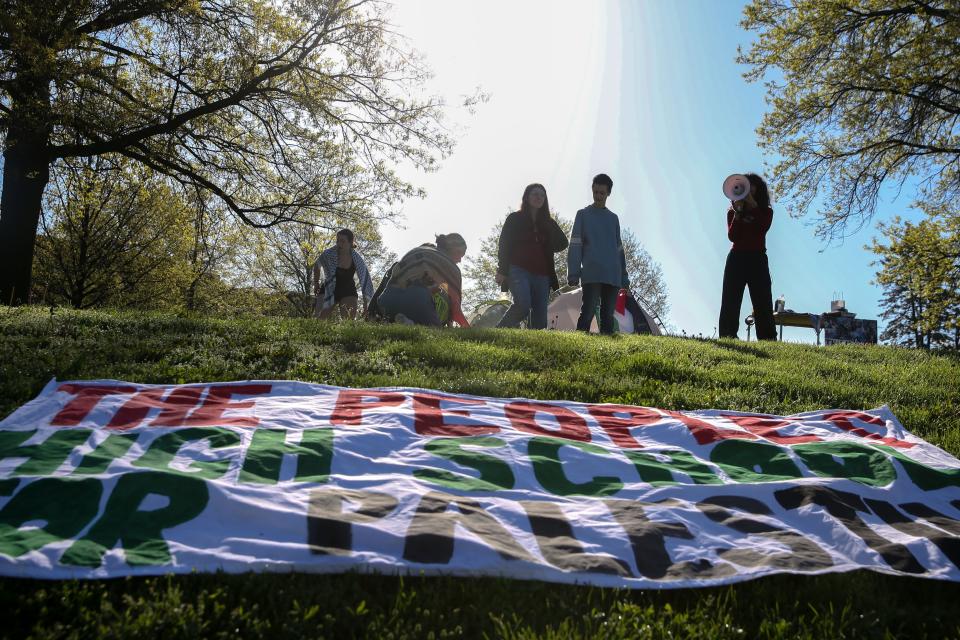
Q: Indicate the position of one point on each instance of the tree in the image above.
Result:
(646, 276)
(863, 94)
(919, 273)
(215, 242)
(112, 233)
(284, 110)
(951, 283)
(480, 269)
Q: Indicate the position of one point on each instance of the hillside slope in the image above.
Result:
(923, 390)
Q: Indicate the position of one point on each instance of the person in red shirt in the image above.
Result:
(525, 266)
(748, 221)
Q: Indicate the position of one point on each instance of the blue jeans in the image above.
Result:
(530, 293)
(414, 302)
(606, 294)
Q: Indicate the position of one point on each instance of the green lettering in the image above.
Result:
(265, 455)
(658, 472)
(926, 477)
(140, 531)
(851, 460)
(544, 454)
(164, 449)
(494, 473)
(63, 505)
(43, 458)
(113, 448)
(752, 461)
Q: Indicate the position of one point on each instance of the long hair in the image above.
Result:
(525, 206)
(762, 196)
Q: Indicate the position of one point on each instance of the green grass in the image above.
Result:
(671, 373)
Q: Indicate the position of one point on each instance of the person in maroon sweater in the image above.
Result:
(748, 221)
(528, 240)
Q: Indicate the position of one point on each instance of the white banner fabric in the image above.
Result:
(104, 479)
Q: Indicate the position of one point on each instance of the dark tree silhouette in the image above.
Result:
(283, 110)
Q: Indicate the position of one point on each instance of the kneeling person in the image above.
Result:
(425, 286)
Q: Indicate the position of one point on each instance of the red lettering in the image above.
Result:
(841, 419)
(85, 399)
(523, 416)
(134, 410)
(704, 432)
(175, 407)
(619, 428)
(428, 416)
(210, 413)
(352, 402)
(766, 427)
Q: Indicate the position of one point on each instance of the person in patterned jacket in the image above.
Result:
(341, 266)
(425, 286)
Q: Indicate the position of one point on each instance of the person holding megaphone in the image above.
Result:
(748, 220)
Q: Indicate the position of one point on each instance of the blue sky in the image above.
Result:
(646, 91)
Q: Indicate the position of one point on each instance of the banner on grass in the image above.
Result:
(104, 478)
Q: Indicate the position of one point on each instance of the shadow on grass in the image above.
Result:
(742, 348)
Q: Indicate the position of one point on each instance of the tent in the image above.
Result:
(563, 312)
(488, 314)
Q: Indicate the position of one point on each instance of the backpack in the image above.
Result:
(374, 314)
(426, 266)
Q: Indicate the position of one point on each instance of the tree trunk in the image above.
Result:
(197, 273)
(26, 171)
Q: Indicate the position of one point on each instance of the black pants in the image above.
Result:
(606, 296)
(750, 269)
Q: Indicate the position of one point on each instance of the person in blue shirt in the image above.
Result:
(596, 257)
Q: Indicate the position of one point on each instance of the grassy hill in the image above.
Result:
(671, 373)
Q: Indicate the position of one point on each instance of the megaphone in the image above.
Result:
(736, 187)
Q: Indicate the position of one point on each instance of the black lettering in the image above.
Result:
(330, 527)
(948, 544)
(843, 506)
(560, 546)
(430, 538)
(804, 554)
(943, 521)
(647, 539)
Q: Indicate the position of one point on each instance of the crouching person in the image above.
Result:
(425, 286)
